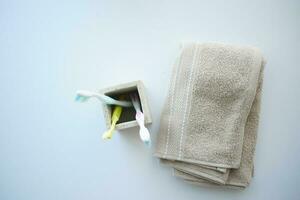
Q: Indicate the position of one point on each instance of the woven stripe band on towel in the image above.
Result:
(209, 122)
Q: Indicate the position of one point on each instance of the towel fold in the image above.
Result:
(209, 123)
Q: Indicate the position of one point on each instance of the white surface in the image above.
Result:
(51, 147)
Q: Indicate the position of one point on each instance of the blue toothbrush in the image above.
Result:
(83, 96)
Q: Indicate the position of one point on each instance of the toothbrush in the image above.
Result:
(114, 119)
(140, 118)
(84, 95)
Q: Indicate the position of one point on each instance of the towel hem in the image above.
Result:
(175, 157)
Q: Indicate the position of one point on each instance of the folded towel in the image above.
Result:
(209, 123)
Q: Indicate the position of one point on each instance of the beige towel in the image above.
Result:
(210, 118)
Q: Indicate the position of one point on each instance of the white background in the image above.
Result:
(51, 147)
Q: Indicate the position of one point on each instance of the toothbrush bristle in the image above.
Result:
(147, 143)
(77, 98)
(80, 98)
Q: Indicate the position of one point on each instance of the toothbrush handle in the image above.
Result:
(108, 134)
(144, 133)
(139, 116)
(115, 117)
(144, 130)
(109, 100)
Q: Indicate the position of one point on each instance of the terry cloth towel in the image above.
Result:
(209, 122)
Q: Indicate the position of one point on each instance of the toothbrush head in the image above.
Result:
(147, 143)
(83, 95)
(80, 98)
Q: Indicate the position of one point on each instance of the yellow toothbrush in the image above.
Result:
(114, 119)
